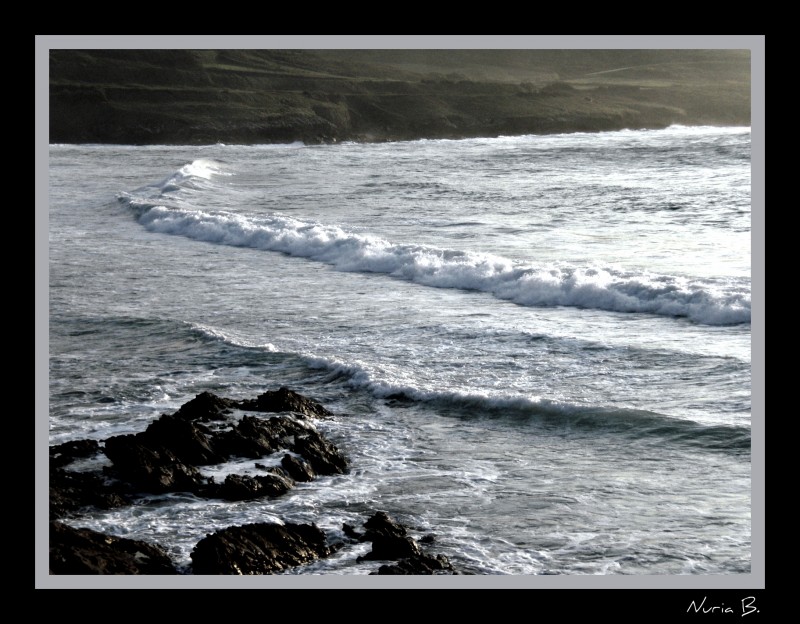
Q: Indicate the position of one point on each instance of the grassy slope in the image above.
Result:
(263, 96)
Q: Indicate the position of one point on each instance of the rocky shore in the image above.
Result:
(169, 456)
(194, 97)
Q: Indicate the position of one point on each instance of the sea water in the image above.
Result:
(536, 348)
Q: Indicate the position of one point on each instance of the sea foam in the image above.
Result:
(705, 301)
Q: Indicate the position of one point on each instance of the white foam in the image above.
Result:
(203, 168)
(711, 302)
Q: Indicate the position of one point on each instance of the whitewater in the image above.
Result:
(537, 348)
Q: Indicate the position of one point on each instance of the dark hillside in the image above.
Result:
(267, 96)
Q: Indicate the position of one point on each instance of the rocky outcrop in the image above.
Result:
(205, 407)
(270, 548)
(83, 551)
(150, 466)
(285, 400)
(390, 541)
(259, 549)
(243, 487)
(71, 491)
(68, 452)
(169, 455)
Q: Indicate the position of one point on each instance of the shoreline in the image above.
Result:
(378, 141)
(275, 431)
(201, 97)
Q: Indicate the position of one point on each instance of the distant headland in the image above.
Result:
(196, 97)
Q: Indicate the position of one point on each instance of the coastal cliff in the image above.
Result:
(325, 96)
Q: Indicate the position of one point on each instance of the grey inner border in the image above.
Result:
(755, 43)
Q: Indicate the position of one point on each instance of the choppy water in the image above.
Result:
(537, 348)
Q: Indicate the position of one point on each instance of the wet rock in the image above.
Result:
(165, 457)
(255, 437)
(298, 469)
(83, 551)
(206, 407)
(285, 400)
(323, 456)
(351, 532)
(390, 541)
(421, 564)
(189, 442)
(66, 453)
(73, 491)
(259, 549)
(152, 468)
(382, 525)
(243, 487)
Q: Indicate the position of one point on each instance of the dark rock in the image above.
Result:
(72, 491)
(66, 453)
(380, 524)
(155, 469)
(259, 549)
(393, 548)
(428, 539)
(285, 400)
(206, 407)
(323, 456)
(421, 564)
(188, 441)
(165, 456)
(298, 469)
(350, 531)
(83, 551)
(242, 487)
(256, 437)
(390, 541)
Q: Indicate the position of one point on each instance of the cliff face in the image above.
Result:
(268, 96)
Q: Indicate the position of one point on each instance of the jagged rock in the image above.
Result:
(83, 551)
(298, 469)
(393, 548)
(72, 491)
(155, 469)
(188, 441)
(243, 487)
(323, 456)
(66, 453)
(421, 564)
(259, 549)
(380, 524)
(351, 532)
(206, 407)
(165, 456)
(256, 437)
(285, 400)
(390, 541)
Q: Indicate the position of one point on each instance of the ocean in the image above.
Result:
(536, 348)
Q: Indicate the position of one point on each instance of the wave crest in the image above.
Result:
(705, 301)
